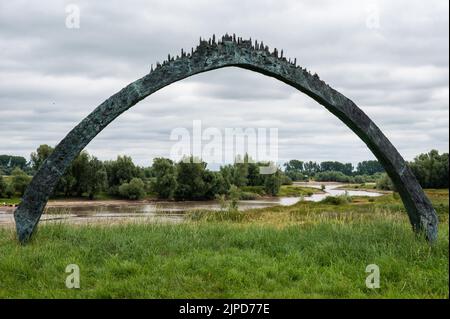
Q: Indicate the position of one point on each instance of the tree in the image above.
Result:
(9, 191)
(86, 175)
(336, 166)
(431, 169)
(240, 171)
(2, 185)
(214, 184)
(41, 154)
(333, 176)
(20, 180)
(165, 174)
(98, 177)
(66, 184)
(272, 183)
(135, 189)
(254, 178)
(81, 173)
(294, 169)
(369, 168)
(121, 171)
(190, 183)
(311, 168)
(294, 165)
(9, 162)
(227, 173)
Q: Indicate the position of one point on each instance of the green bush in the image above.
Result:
(385, 183)
(431, 169)
(135, 189)
(20, 180)
(286, 180)
(254, 189)
(248, 196)
(337, 200)
(2, 185)
(9, 190)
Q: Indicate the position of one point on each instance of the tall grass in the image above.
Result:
(309, 250)
(226, 260)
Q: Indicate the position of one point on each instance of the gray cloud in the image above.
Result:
(51, 77)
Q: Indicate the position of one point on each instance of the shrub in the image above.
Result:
(135, 189)
(359, 179)
(9, 190)
(2, 185)
(254, 189)
(385, 183)
(20, 180)
(248, 196)
(286, 180)
(337, 200)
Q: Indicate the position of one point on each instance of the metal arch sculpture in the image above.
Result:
(210, 55)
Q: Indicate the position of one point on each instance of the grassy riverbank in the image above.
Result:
(308, 250)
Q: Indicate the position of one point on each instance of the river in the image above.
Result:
(169, 211)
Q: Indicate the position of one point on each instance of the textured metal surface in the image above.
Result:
(210, 55)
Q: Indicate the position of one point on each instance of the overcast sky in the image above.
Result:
(389, 57)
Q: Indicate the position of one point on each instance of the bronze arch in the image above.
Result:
(210, 55)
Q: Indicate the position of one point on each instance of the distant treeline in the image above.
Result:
(431, 170)
(9, 162)
(333, 171)
(188, 179)
(191, 180)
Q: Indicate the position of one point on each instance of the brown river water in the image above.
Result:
(165, 211)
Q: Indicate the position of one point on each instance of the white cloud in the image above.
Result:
(51, 76)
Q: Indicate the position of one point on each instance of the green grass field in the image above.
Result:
(309, 250)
